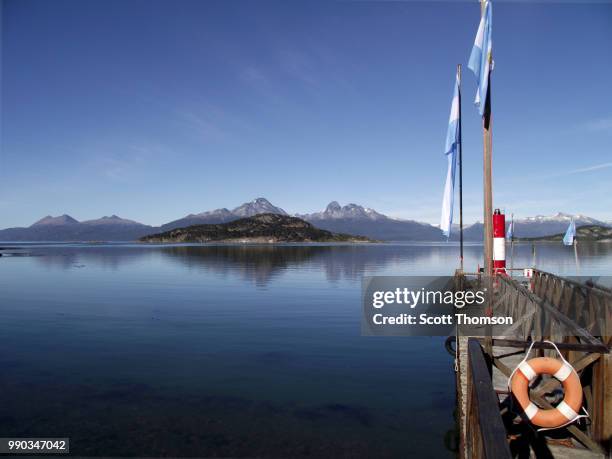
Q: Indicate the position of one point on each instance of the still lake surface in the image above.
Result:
(140, 350)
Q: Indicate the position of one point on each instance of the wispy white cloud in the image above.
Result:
(119, 168)
(116, 169)
(599, 125)
(253, 75)
(123, 164)
(298, 64)
(579, 170)
(203, 126)
(590, 168)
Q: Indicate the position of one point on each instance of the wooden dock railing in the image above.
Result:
(592, 304)
(548, 310)
(587, 303)
(487, 437)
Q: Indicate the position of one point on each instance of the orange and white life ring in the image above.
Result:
(566, 411)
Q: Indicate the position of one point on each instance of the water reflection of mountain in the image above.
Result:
(259, 264)
(263, 263)
(80, 257)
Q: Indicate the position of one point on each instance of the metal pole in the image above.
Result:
(460, 174)
(488, 186)
(576, 256)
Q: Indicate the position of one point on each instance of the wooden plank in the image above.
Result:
(602, 401)
(486, 404)
(583, 347)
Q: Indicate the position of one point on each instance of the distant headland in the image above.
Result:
(592, 233)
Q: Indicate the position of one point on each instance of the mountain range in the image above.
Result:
(583, 233)
(533, 227)
(350, 219)
(355, 219)
(248, 209)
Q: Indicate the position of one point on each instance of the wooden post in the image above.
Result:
(460, 174)
(488, 199)
(487, 178)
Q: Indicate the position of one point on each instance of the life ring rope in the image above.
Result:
(561, 374)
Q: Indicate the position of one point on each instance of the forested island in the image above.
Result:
(262, 228)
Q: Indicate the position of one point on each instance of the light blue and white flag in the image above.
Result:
(452, 142)
(510, 232)
(570, 234)
(481, 61)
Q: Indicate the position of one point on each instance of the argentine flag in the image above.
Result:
(510, 233)
(452, 142)
(481, 61)
(570, 234)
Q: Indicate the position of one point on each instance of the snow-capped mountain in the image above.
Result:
(257, 206)
(211, 216)
(363, 221)
(350, 211)
(563, 218)
(248, 209)
(538, 226)
(542, 225)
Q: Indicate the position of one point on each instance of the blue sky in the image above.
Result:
(155, 109)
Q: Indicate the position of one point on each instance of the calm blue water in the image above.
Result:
(228, 350)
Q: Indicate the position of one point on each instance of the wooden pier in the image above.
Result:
(491, 425)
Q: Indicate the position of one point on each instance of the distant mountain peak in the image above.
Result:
(221, 211)
(350, 211)
(562, 217)
(333, 207)
(257, 206)
(223, 215)
(112, 220)
(60, 220)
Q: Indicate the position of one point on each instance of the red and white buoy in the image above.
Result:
(499, 242)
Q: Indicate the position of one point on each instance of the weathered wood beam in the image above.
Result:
(554, 312)
(578, 365)
(582, 347)
(485, 402)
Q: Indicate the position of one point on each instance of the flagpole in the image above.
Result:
(487, 177)
(460, 173)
